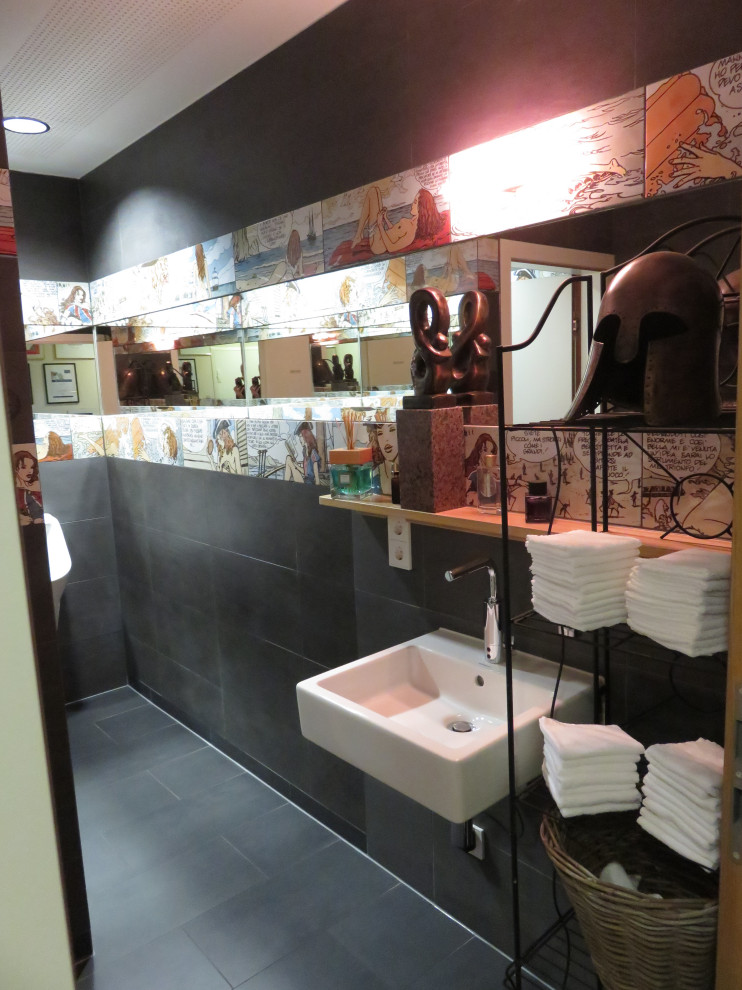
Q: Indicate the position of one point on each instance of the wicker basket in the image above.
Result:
(636, 942)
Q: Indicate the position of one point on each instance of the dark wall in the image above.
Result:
(376, 88)
(90, 635)
(48, 227)
(233, 589)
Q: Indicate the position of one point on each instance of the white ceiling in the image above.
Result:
(102, 73)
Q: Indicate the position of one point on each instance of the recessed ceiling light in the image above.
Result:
(25, 125)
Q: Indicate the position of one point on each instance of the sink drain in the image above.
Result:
(461, 726)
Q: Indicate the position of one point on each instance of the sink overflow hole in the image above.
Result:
(461, 726)
(480, 680)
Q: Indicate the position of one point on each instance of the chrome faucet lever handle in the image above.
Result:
(481, 563)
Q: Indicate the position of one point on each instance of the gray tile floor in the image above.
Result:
(200, 877)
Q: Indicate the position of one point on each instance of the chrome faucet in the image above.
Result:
(492, 638)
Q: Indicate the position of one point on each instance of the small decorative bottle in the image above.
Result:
(395, 487)
(538, 502)
(488, 485)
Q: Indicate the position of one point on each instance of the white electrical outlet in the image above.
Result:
(400, 543)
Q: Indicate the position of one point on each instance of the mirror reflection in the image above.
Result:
(63, 374)
(200, 370)
(356, 352)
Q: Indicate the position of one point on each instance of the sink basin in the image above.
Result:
(395, 715)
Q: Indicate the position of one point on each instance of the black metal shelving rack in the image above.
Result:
(560, 950)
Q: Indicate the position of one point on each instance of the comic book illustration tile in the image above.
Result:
(694, 127)
(405, 212)
(53, 437)
(686, 482)
(594, 158)
(87, 436)
(281, 249)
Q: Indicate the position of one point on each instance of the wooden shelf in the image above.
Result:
(470, 520)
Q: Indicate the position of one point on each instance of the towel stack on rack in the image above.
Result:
(682, 798)
(590, 769)
(681, 600)
(579, 578)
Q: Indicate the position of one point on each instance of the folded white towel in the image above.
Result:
(671, 837)
(680, 592)
(700, 762)
(677, 632)
(584, 539)
(689, 616)
(584, 595)
(581, 581)
(692, 603)
(588, 611)
(691, 630)
(670, 784)
(579, 740)
(704, 565)
(613, 770)
(700, 647)
(579, 795)
(609, 762)
(581, 576)
(577, 602)
(580, 586)
(605, 567)
(564, 617)
(704, 834)
(675, 802)
(688, 629)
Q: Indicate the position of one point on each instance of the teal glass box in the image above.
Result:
(351, 480)
(351, 473)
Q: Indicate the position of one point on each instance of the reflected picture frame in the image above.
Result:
(60, 381)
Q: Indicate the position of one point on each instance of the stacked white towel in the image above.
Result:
(681, 600)
(590, 769)
(579, 578)
(682, 798)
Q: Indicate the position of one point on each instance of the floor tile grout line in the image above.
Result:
(263, 877)
(206, 957)
(239, 852)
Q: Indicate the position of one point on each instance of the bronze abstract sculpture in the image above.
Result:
(436, 367)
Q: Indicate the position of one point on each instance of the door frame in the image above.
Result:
(523, 252)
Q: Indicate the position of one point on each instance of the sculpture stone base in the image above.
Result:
(431, 459)
(474, 398)
(441, 401)
(485, 415)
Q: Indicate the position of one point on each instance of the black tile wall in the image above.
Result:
(399, 835)
(670, 39)
(89, 631)
(48, 227)
(228, 600)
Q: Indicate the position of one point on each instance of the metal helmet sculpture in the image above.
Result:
(656, 345)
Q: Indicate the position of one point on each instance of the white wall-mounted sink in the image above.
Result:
(390, 715)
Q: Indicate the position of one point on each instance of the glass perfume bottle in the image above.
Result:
(538, 502)
(488, 485)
